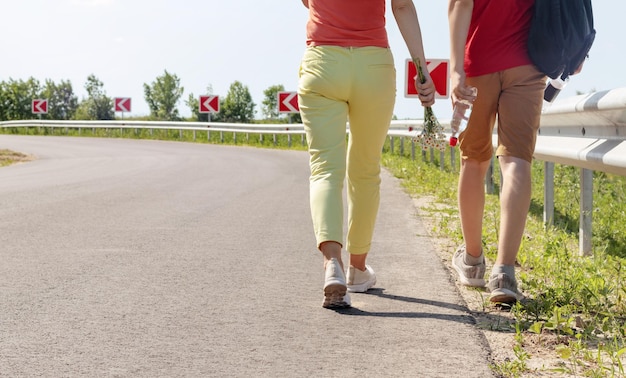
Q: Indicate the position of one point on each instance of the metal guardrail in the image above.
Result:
(587, 131)
(282, 128)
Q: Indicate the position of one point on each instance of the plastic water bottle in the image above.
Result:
(460, 117)
(554, 88)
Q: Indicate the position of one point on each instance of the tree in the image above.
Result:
(17, 97)
(97, 105)
(3, 101)
(238, 105)
(269, 106)
(162, 97)
(62, 103)
(193, 103)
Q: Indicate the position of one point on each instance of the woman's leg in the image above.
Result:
(371, 108)
(324, 76)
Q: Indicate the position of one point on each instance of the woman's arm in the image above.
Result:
(406, 18)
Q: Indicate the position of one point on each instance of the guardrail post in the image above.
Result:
(442, 156)
(391, 147)
(453, 159)
(586, 211)
(548, 193)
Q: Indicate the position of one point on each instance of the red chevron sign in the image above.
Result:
(39, 106)
(438, 69)
(288, 102)
(209, 104)
(122, 104)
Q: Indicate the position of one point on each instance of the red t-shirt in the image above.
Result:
(497, 36)
(346, 23)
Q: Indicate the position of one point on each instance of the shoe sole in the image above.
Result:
(334, 296)
(503, 296)
(473, 282)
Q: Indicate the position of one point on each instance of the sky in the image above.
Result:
(211, 43)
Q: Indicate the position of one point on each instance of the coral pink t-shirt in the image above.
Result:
(497, 36)
(346, 23)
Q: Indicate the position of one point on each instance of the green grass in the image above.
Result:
(576, 305)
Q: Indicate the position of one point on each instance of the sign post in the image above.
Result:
(438, 70)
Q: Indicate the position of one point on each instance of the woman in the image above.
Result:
(348, 72)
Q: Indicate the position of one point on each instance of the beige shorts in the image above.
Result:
(515, 98)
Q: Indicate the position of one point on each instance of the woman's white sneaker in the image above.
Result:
(335, 295)
(360, 281)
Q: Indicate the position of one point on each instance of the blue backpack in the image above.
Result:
(561, 35)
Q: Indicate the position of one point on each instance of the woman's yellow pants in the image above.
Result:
(336, 85)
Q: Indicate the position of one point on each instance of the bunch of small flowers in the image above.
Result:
(432, 135)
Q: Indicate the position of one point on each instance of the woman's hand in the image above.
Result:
(426, 90)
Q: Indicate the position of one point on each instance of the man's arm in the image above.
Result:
(459, 18)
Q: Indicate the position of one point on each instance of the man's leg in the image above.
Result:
(471, 199)
(514, 205)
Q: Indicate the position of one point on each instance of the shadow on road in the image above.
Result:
(465, 317)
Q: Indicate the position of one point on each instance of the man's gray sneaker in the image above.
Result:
(469, 275)
(503, 289)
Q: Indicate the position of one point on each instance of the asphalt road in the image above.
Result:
(122, 258)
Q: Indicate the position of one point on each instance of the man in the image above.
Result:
(488, 52)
